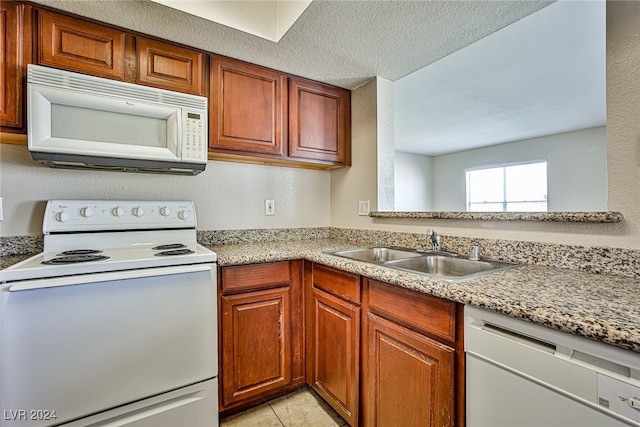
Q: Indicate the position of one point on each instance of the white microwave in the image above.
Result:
(80, 121)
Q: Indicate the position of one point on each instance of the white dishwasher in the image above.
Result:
(520, 374)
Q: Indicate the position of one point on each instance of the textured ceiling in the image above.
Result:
(344, 43)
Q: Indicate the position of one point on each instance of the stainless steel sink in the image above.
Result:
(450, 268)
(439, 264)
(378, 254)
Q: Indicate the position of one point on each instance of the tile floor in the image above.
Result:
(302, 408)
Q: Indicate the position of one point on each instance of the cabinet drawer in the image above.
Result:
(339, 283)
(256, 276)
(433, 315)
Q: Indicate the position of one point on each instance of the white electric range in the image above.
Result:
(114, 323)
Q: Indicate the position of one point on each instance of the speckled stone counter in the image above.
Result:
(9, 260)
(596, 306)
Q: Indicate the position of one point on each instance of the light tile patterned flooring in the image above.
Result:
(302, 408)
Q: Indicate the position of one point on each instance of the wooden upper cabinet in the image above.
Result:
(77, 45)
(319, 122)
(15, 48)
(170, 67)
(247, 112)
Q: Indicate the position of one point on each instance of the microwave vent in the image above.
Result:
(45, 76)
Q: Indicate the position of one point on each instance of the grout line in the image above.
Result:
(276, 414)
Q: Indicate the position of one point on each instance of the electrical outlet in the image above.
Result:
(269, 207)
(363, 207)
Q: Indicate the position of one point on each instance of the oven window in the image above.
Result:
(86, 124)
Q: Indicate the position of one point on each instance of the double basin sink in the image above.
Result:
(438, 264)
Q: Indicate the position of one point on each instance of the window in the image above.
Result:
(508, 188)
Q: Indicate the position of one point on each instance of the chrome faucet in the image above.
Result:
(435, 239)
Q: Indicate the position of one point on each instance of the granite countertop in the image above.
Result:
(597, 306)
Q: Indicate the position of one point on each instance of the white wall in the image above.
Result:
(623, 158)
(413, 182)
(576, 170)
(227, 195)
(359, 182)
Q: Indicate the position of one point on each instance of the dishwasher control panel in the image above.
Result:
(619, 396)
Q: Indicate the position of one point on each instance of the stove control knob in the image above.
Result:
(117, 211)
(86, 212)
(137, 212)
(63, 216)
(183, 215)
(165, 211)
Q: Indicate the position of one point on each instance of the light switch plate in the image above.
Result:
(363, 207)
(269, 207)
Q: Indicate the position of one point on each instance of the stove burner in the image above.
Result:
(170, 246)
(80, 252)
(74, 259)
(175, 252)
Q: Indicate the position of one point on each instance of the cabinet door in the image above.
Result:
(333, 355)
(15, 45)
(319, 122)
(408, 378)
(169, 67)
(256, 344)
(247, 107)
(81, 46)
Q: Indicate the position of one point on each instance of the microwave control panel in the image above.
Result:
(194, 143)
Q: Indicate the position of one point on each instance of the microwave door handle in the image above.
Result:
(174, 133)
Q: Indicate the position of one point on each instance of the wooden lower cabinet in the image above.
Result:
(333, 353)
(379, 354)
(407, 378)
(333, 317)
(412, 358)
(261, 338)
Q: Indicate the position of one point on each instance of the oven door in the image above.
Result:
(76, 346)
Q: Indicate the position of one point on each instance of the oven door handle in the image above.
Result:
(86, 279)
